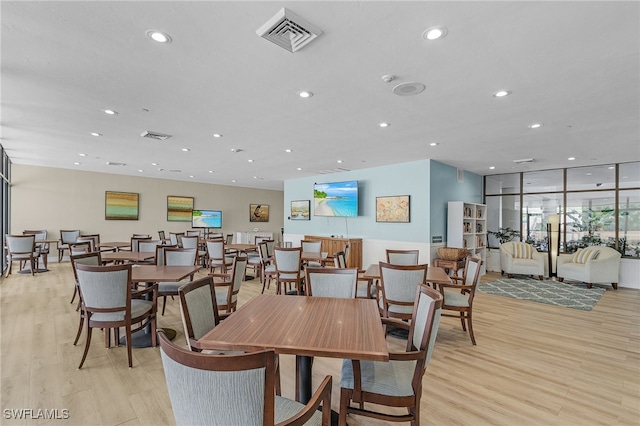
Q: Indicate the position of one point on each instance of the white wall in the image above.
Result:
(55, 199)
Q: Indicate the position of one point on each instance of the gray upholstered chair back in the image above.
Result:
(287, 261)
(471, 271)
(175, 238)
(192, 233)
(229, 239)
(263, 250)
(68, 237)
(135, 241)
(106, 290)
(80, 247)
(215, 249)
(93, 259)
(90, 240)
(399, 283)
(311, 246)
(403, 257)
(339, 260)
(190, 241)
(180, 256)
(148, 245)
(208, 389)
(331, 282)
(198, 308)
(239, 267)
(425, 321)
(270, 245)
(21, 245)
(160, 253)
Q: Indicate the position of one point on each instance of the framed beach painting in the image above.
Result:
(301, 210)
(121, 205)
(258, 213)
(393, 209)
(179, 208)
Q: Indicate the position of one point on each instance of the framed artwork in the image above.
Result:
(121, 205)
(258, 213)
(179, 208)
(300, 210)
(392, 209)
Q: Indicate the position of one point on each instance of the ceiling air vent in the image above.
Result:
(329, 171)
(288, 31)
(155, 135)
(112, 163)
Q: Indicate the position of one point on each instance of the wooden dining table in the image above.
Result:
(305, 327)
(129, 256)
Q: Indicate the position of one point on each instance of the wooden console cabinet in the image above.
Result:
(332, 245)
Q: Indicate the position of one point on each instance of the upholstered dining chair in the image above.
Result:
(66, 237)
(160, 253)
(267, 265)
(135, 242)
(21, 248)
(397, 383)
(192, 242)
(398, 284)
(217, 258)
(161, 235)
(458, 296)
(90, 240)
(148, 245)
(192, 233)
(312, 246)
(331, 282)
(402, 257)
(80, 247)
(178, 257)
(175, 238)
(234, 390)
(288, 268)
(42, 246)
(228, 285)
(94, 259)
(109, 303)
(364, 288)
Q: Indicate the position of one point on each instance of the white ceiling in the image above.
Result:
(573, 66)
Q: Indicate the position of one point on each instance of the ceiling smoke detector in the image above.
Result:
(408, 89)
(154, 135)
(524, 160)
(288, 31)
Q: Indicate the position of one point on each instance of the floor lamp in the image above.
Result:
(553, 234)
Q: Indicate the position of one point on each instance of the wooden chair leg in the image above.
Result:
(128, 344)
(79, 329)
(345, 398)
(473, 339)
(86, 346)
(614, 285)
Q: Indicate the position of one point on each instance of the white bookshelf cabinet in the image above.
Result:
(467, 227)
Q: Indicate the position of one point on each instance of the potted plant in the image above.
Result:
(502, 235)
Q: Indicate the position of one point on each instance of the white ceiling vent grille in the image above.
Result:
(113, 163)
(155, 135)
(288, 31)
(329, 171)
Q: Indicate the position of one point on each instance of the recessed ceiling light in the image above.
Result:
(299, 168)
(217, 135)
(571, 158)
(255, 177)
(305, 94)
(287, 150)
(492, 167)
(535, 125)
(611, 167)
(383, 125)
(434, 33)
(251, 161)
(158, 36)
(339, 161)
(434, 144)
(588, 174)
(234, 181)
(140, 170)
(191, 176)
(186, 149)
(210, 171)
(501, 93)
(236, 150)
(110, 112)
(95, 134)
(154, 164)
(82, 155)
(76, 163)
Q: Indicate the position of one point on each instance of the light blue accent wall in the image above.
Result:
(429, 184)
(444, 188)
(399, 179)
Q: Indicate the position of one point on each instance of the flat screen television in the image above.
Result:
(206, 218)
(336, 199)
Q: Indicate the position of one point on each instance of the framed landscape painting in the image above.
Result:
(179, 208)
(393, 209)
(258, 213)
(300, 210)
(121, 205)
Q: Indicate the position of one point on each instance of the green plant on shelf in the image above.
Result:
(504, 235)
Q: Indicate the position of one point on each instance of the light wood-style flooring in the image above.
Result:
(534, 364)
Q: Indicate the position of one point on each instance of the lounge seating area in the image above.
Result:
(592, 265)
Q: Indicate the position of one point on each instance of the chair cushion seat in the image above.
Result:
(391, 378)
(169, 287)
(286, 408)
(270, 269)
(138, 307)
(397, 309)
(455, 298)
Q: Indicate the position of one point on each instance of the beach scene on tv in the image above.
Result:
(206, 219)
(336, 199)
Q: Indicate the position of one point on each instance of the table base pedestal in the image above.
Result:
(142, 338)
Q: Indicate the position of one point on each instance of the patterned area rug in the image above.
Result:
(575, 296)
